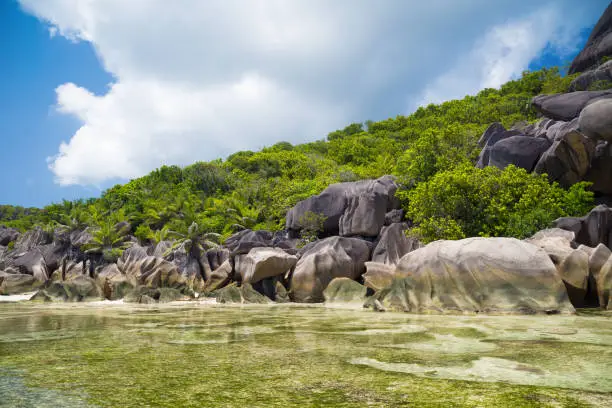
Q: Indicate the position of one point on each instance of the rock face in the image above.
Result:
(572, 264)
(567, 161)
(16, 283)
(598, 45)
(152, 272)
(261, 263)
(592, 229)
(522, 151)
(602, 74)
(567, 106)
(477, 275)
(595, 120)
(494, 133)
(8, 235)
(378, 275)
(352, 208)
(324, 260)
(79, 289)
(393, 244)
(243, 241)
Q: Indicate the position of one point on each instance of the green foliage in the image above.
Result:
(109, 240)
(255, 189)
(468, 202)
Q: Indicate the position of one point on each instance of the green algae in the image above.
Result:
(178, 355)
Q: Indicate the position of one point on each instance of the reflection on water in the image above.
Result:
(288, 355)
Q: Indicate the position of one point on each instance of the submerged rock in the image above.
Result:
(344, 290)
(240, 294)
(78, 289)
(477, 275)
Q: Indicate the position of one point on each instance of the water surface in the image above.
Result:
(86, 355)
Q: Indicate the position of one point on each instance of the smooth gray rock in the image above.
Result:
(242, 242)
(601, 74)
(394, 216)
(490, 137)
(595, 120)
(567, 106)
(521, 151)
(393, 244)
(592, 229)
(262, 263)
(600, 171)
(16, 283)
(8, 235)
(334, 201)
(598, 45)
(498, 275)
(568, 160)
(324, 260)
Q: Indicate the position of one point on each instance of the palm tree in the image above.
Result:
(109, 241)
(195, 240)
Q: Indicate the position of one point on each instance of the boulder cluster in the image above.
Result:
(364, 258)
(572, 140)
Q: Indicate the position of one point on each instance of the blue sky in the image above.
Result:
(106, 91)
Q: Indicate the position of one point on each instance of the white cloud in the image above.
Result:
(503, 53)
(196, 80)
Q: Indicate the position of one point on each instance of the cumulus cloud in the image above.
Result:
(197, 80)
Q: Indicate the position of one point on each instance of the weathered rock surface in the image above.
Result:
(345, 290)
(522, 151)
(378, 275)
(220, 277)
(242, 242)
(393, 244)
(240, 294)
(572, 264)
(595, 121)
(365, 203)
(592, 229)
(567, 106)
(324, 260)
(144, 270)
(79, 289)
(8, 235)
(600, 74)
(477, 275)
(16, 283)
(261, 263)
(494, 133)
(567, 161)
(597, 46)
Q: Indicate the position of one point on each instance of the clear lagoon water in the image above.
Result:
(207, 355)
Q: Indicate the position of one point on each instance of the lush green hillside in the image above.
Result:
(255, 189)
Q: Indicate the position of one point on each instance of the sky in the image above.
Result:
(96, 92)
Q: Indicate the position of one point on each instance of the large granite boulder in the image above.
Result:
(521, 151)
(321, 261)
(393, 244)
(572, 264)
(378, 275)
(16, 283)
(261, 263)
(141, 269)
(114, 283)
(345, 290)
(32, 239)
(79, 289)
(502, 275)
(595, 121)
(351, 208)
(599, 75)
(598, 45)
(8, 235)
(242, 242)
(494, 133)
(592, 229)
(240, 294)
(568, 160)
(600, 171)
(567, 106)
(220, 277)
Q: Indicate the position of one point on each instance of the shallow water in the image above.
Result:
(117, 355)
